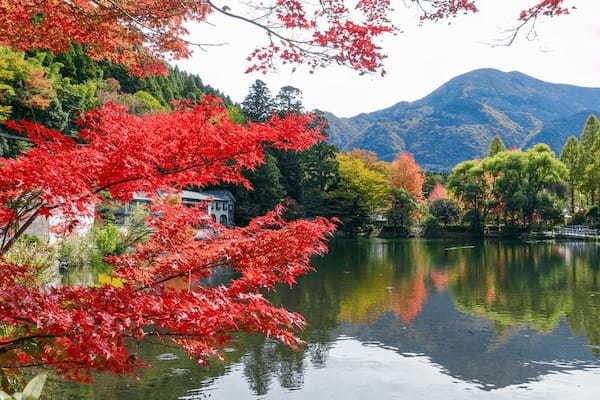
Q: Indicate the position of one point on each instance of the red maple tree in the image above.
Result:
(76, 329)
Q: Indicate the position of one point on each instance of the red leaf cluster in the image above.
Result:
(140, 34)
(548, 8)
(80, 329)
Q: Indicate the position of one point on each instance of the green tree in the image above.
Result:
(258, 104)
(402, 209)
(521, 180)
(149, 103)
(589, 136)
(592, 171)
(320, 170)
(361, 192)
(445, 210)
(289, 100)
(267, 191)
(470, 184)
(571, 155)
(24, 85)
(496, 146)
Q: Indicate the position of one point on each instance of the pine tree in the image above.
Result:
(289, 100)
(258, 104)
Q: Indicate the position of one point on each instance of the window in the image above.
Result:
(223, 220)
(230, 207)
(218, 205)
(139, 202)
(190, 202)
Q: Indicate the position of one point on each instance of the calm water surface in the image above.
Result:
(408, 320)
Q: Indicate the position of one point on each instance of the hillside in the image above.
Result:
(457, 121)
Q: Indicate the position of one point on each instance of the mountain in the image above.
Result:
(458, 120)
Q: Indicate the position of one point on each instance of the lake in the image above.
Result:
(407, 319)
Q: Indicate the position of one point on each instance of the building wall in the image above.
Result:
(222, 211)
(44, 228)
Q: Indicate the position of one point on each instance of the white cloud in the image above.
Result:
(420, 59)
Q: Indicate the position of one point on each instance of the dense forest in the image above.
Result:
(53, 89)
(508, 190)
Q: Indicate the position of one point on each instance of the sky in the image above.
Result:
(420, 59)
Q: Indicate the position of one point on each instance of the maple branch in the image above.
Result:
(294, 43)
(6, 247)
(185, 273)
(11, 344)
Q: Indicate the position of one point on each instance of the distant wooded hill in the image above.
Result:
(458, 120)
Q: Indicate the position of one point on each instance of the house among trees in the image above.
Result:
(221, 205)
(47, 229)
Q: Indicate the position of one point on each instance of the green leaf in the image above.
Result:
(33, 390)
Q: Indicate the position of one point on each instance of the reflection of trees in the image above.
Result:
(511, 285)
(531, 286)
(317, 298)
(167, 379)
(391, 279)
(267, 359)
(375, 290)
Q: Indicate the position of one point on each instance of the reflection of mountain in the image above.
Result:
(468, 348)
(497, 315)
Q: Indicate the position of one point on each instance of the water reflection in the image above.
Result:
(410, 319)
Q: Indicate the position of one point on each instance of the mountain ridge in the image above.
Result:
(457, 121)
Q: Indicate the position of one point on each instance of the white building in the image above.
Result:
(221, 205)
(48, 228)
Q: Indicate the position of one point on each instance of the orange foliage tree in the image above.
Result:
(405, 174)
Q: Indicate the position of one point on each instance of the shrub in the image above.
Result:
(432, 228)
(107, 238)
(79, 251)
(445, 210)
(578, 219)
(593, 215)
(30, 250)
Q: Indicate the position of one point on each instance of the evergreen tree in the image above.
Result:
(267, 191)
(496, 146)
(320, 174)
(402, 209)
(258, 104)
(289, 100)
(592, 172)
